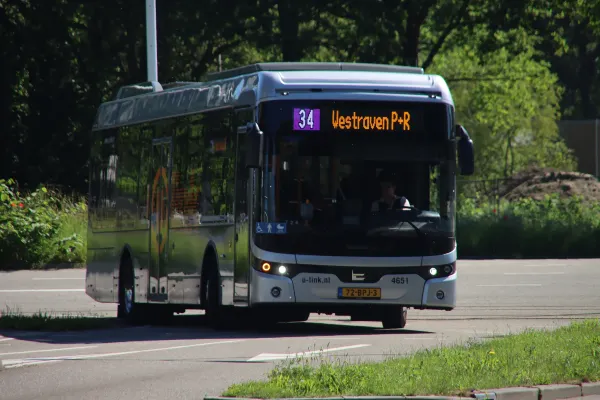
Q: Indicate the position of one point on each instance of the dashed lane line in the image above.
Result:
(47, 350)
(39, 290)
(15, 363)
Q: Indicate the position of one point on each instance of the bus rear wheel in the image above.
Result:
(128, 309)
(395, 318)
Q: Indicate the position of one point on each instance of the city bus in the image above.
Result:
(277, 190)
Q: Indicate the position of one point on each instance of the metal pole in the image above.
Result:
(597, 149)
(152, 58)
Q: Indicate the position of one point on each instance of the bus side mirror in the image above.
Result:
(466, 151)
(254, 144)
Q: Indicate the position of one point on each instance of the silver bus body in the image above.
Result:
(133, 181)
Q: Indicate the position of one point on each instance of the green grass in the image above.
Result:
(73, 230)
(566, 355)
(44, 321)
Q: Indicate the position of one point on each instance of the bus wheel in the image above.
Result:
(211, 292)
(395, 319)
(127, 309)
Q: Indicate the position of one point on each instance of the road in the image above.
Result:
(188, 360)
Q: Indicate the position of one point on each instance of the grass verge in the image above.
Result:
(566, 355)
(44, 321)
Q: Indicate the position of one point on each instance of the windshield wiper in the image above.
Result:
(409, 214)
(414, 211)
(418, 230)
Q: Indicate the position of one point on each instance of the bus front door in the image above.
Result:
(242, 232)
(160, 206)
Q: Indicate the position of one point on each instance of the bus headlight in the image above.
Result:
(438, 271)
(282, 269)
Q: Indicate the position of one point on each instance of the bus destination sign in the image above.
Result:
(394, 121)
(309, 119)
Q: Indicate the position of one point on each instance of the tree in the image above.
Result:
(509, 102)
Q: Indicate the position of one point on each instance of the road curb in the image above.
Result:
(538, 392)
(350, 398)
(590, 388)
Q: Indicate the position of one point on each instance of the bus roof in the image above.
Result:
(248, 85)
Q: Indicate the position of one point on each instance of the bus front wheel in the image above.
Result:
(395, 318)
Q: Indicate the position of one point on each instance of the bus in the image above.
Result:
(277, 190)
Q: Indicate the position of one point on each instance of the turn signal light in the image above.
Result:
(265, 267)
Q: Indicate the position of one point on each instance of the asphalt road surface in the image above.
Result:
(188, 360)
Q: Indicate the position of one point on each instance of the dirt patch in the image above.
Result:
(536, 183)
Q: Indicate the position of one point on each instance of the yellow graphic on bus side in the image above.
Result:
(158, 209)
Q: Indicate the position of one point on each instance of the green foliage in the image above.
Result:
(529, 229)
(46, 227)
(509, 102)
(89, 49)
(533, 357)
(40, 227)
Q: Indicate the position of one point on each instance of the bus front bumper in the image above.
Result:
(408, 290)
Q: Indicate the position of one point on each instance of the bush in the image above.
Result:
(46, 227)
(40, 228)
(526, 228)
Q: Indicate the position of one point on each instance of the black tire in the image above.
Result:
(212, 295)
(127, 309)
(395, 318)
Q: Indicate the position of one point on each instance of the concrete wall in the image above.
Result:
(583, 136)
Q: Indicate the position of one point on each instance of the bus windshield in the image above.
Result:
(351, 188)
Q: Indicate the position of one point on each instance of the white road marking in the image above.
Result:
(6, 339)
(332, 338)
(534, 273)
(512, 285)
(39, 290)
(545, 265)
(15, 363)
(9, 364)
(277, 356)
(47, 350)
(57, 279)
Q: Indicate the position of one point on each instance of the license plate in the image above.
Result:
(359, 293)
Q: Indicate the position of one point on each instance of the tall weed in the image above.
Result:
(41, 227)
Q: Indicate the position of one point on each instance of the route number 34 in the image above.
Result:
(306, 119)
(400, 280)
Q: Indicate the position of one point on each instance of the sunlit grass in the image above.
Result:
(47, 321)
(565, 355)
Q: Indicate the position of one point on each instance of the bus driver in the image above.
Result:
(389, 199)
